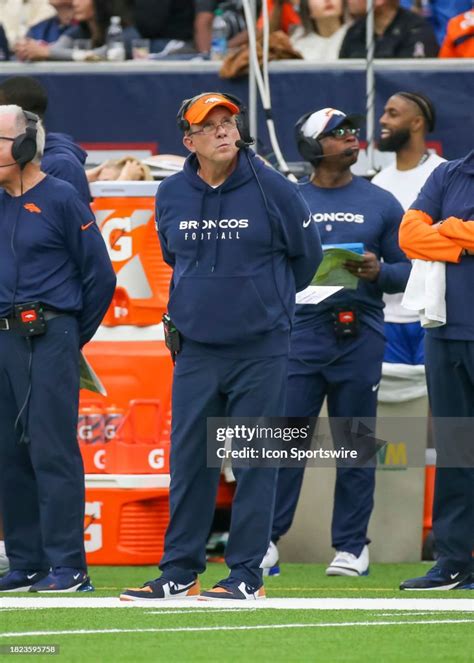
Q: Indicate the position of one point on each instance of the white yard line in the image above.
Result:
(401, 604)
(257, 627)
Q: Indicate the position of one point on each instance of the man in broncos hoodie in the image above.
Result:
(241, 242)
(62, 158)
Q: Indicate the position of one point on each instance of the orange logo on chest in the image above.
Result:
(31, 207)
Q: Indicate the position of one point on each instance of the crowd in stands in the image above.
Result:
(320, 30)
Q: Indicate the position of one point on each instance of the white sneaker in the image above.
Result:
(4, 563)
(270, 561)
(347, 564)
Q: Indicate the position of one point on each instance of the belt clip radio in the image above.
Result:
(30, 319)
(172, 337)
(346, 322)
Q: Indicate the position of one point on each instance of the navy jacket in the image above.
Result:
(236, 268)
(447, 196)
(59, 257)
(65, 160)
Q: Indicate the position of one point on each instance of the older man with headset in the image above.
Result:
(241, 242)
(56, 282)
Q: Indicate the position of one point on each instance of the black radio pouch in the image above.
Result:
(30, 320)
(172, 337)
(346, 322)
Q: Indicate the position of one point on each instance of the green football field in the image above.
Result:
(307, 617)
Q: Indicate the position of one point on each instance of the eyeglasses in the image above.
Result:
(341, 132)
(7, 138)
(211, 127)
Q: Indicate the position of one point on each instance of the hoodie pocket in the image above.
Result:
(219, 310)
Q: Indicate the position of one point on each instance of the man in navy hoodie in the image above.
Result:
(53, 265)
(62, 157)
(241, 242)
(439, 226)
(331, 358)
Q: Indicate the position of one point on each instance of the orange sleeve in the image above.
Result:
(447, 49)
(418, 239)
(289, 17)
(459, 231)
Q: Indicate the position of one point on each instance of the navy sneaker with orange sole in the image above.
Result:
(162, 589)
(238, 591)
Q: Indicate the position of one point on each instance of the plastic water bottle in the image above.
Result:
(115, 41)
(219, 36)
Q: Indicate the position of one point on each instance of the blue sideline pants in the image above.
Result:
(208, 386)
(42, 481)
(346, 371)
(450, 377)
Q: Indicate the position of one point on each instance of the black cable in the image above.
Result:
(272, 234)
(24, 439)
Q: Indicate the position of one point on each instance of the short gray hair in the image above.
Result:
(20, 127)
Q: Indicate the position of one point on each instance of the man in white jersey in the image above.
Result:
(407, 118)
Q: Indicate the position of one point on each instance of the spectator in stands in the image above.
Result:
(407, 118)
(398, 33)
(167, 23)
(439, 226)
(326, 358)
(322, 31)
(52, 28)
(4, 48)
(126, 169)
(61, 157)
(437, 12)
(459, 40)
(18, 15)
(233, 15)
(45, 32)
(283, 15)
(93, 17)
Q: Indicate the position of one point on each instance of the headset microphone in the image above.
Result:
(243, 143)
(348, 152)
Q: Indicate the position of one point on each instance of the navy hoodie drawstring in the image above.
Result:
(198, 243)
(216, 242)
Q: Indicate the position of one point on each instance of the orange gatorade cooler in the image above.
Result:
(125, 215)
(125, 518)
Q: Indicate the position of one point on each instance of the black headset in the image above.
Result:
(24, 146)
(309, 148)
(242, 117)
